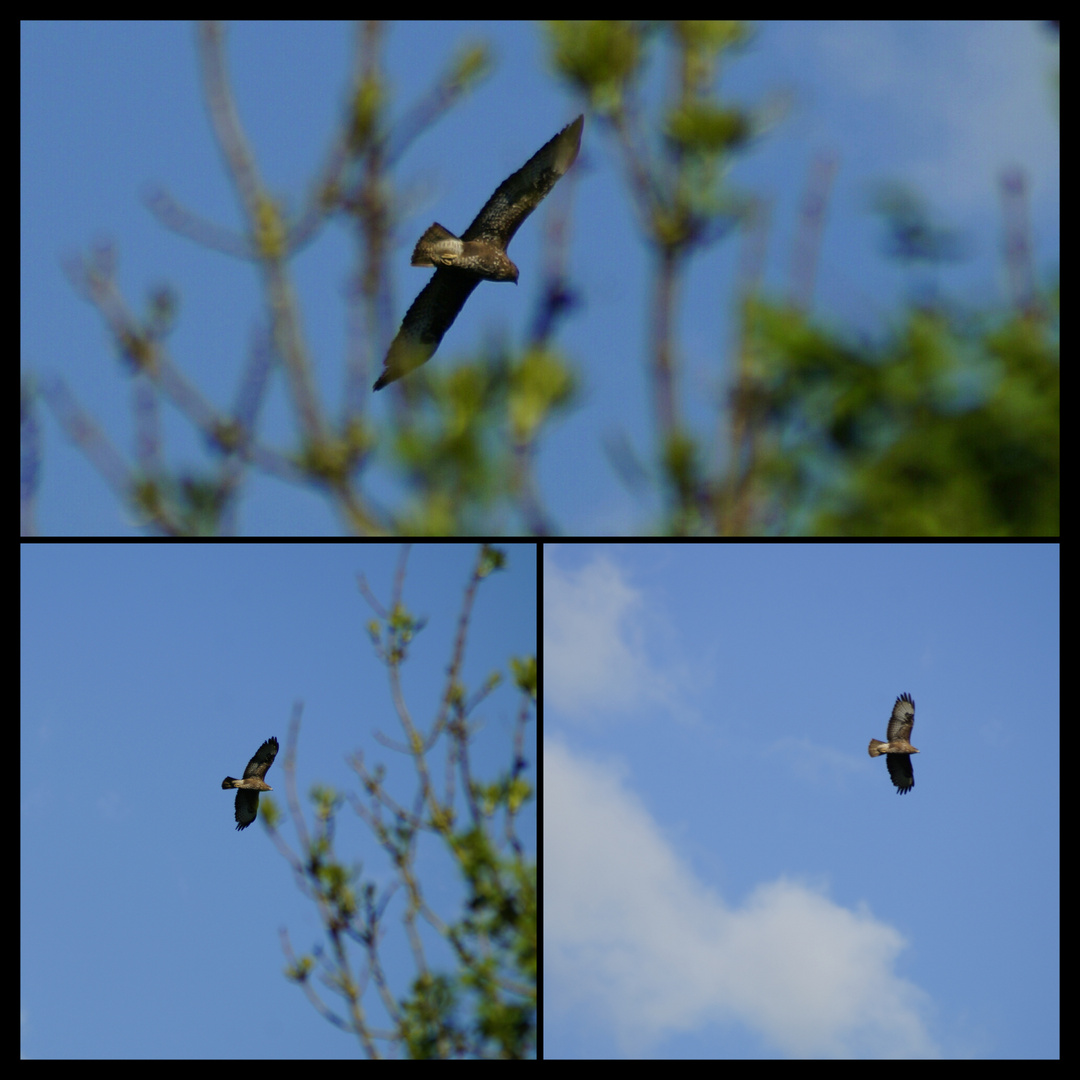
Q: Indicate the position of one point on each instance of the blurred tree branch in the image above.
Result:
(485, 1006)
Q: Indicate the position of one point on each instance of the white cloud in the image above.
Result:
(637, 943)
(594, 655)
(956, 101)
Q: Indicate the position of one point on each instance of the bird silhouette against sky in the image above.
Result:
(478, 254)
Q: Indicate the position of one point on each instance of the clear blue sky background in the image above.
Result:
(108, 108)
(150, 926)
(727, 871)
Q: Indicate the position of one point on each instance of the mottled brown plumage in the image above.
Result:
(247, 795)
(897, 747)
(479, 254)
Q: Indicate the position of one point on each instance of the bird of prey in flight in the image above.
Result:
(898, 748)
(479, 253)
(247, 795)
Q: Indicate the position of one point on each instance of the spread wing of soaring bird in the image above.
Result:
(478, 254)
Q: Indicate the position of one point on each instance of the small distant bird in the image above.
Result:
(478, 254)
(247, 797)
(898, 748)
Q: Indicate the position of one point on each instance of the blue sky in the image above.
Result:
(150, 927)
(110, 108)
(727, 872)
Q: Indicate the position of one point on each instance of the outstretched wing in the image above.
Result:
(519, 195)
(430, 316)
(257, 766)
(900, 772)
(901, 723)
(247, 806)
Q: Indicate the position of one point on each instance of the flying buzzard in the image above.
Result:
(898, 748)
(247, 795)
(480, 252)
